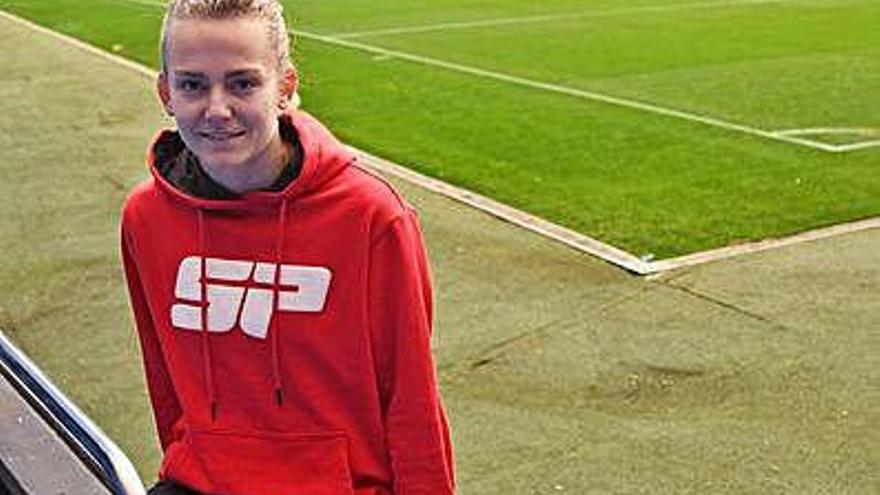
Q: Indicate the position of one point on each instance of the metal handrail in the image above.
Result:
(100, 454)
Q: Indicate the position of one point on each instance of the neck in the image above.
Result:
(258, 173)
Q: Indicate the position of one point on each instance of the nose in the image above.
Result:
(219, 107)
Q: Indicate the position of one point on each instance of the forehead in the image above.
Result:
(208, 45)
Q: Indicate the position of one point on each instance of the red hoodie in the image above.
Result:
(308, 369)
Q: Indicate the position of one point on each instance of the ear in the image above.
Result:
(287, 87)
(164, 92)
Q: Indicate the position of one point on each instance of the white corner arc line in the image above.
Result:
(555, 88)
(525, 220)
(529, 19)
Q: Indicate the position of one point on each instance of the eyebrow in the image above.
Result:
(244, 72)
(236, 73)
(184, 73)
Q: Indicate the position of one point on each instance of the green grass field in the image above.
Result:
(643, 181)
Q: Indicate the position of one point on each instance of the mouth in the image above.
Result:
(220, 136)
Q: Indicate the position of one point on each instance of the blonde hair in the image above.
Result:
(270, 12)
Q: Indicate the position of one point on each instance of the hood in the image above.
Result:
(324, 158)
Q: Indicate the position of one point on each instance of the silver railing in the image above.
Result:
(103, 457)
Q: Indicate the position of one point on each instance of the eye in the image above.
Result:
(243, 85)
(186, 85)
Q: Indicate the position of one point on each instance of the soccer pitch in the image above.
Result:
(660, 127)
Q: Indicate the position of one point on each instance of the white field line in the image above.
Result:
(859, 131)
(504, 21)
(577, 93)
(525, 220)
(845, 148)
(559, 89)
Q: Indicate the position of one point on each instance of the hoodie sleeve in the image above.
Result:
(166, 407)
(400, 305)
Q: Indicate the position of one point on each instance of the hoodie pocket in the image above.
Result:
(233, 463)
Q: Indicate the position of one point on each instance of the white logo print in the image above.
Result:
(244, 293)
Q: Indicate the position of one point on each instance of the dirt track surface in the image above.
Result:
(561, 374)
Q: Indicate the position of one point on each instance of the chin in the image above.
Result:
(237, 150)
(213, 159)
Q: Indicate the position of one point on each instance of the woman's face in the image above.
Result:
(223, 86)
